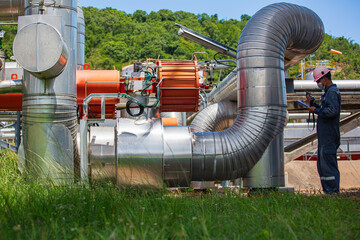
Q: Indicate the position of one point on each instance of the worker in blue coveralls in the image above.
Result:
(328, 129)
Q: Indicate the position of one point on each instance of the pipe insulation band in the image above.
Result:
(275, 38)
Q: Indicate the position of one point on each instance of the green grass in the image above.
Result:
(31, 210)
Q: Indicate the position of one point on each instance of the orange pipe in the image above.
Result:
(87, 81)
(97, 81)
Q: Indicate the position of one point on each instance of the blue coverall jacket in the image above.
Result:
(328, 132)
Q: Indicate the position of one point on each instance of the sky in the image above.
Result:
(340, 17)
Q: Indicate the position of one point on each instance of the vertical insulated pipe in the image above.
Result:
(277, 33)
(80, 38)
(49, 107)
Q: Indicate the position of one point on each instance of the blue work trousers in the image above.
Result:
(328, 168)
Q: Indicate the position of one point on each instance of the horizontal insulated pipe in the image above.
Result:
(226, 90)
(277, 36)
(306, 116)
(310, 85)
(10, 86)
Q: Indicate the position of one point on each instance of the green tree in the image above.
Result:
(114, 38)
(245, 17)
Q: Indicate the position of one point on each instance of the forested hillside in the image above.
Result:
(115, 38)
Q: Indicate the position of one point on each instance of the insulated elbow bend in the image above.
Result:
(275, 38)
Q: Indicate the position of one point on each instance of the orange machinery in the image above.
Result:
(98, 81)
(179, 89)
(87, 81)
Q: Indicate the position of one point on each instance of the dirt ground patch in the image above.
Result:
(303, 176)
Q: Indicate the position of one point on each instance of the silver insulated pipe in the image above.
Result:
(45, 46)
(80, 38)
(10, 86)
(145, 151)
(310, 85)
(277, 35)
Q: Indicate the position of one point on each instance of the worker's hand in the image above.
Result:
(309, 97)
(312, 109)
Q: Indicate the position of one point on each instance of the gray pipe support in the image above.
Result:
(10, 10)
(277, 33)
(10, 86)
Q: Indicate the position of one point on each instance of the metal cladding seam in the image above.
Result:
(275, 38)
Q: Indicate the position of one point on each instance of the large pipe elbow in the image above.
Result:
(275, 38)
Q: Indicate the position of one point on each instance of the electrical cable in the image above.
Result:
(227, 60)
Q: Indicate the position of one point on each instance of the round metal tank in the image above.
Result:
(40, 49)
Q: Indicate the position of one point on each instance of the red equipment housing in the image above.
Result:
(179, 86)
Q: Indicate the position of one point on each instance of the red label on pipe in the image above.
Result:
(14, 76)
(87, 67)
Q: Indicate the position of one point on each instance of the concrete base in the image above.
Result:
(303, 175)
